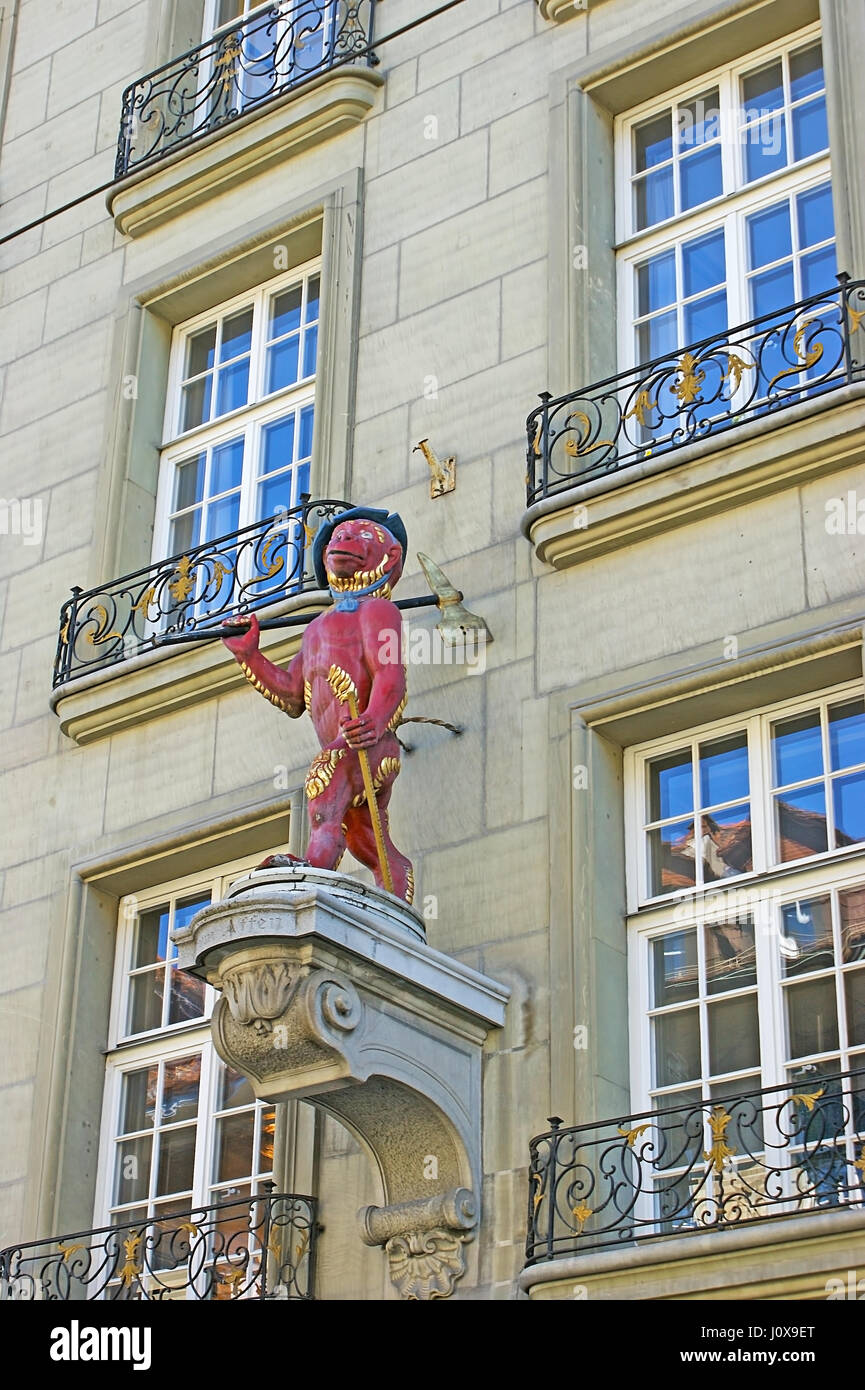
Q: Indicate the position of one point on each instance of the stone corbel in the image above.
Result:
(330, 994)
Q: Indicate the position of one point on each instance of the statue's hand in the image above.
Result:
(362, 732)
(246, 644)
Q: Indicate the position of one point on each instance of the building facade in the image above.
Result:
(613, 265)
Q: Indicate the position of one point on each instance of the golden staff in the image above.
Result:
(345, 691)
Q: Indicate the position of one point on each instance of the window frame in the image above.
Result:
(728, 209)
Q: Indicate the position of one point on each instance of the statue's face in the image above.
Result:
(361, 549)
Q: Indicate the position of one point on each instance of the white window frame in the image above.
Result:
(258, 8)
(126, 1053)
(261, 408)
(728, 209)
(764, 890)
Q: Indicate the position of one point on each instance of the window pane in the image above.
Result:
(196, 403)
(132, 1171)
(275, 495)
(769, 236)
(653, 141)
(186, 908)
(234, 1140)
(185, 532)
(176, 1160)
(236, 335)
(852, 908)
(223, 518)
(800, 821)
(200, 349)
(180, 1089)
(151, 937)
(277, 445)
(307, 416)
(186, 997)
(706, 317)
(672, 857)
(699, 120)
(145, 1001)
(724, 770)
(815, 216)
(285, 310)
(226, 467)
(310, 350)
(703, 264)
(656, 283)
(734, 1036)
(677, 1047)
(854, 993)
(807, 926)
(265, 1146)
(228, 10)
(812, 1019)
(726, 843)
(806, 71)
(671, 786)
(189, 483)
(731, 956)
(313, 291)
(810, 129)
(763, 90)
(282, 360)
(849, 806)
(765, 147)
(674, 968)
(818, 273)
(234, 1089)
(654, 197)
(233, 386)
(773, 289)
(659, 337)
(700, 177)
(138, 1101)
(797, 749)
(847, 734)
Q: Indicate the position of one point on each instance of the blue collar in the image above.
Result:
(347, 603)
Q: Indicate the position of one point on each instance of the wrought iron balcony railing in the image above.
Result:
(744, 373)
(254, 1247)
(712, 1165)
(258, 565)
(238, 70)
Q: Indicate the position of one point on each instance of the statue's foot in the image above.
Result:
(283, 861)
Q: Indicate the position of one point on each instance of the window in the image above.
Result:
(725, 205)
(180, 1128)
(261, 48)
(240, 413)
(747, 901)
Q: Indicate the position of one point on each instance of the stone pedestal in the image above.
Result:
(331, 994)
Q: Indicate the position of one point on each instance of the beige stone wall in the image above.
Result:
(453, 345)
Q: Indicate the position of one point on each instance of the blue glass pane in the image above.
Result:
(275, 495)
(653, 142)
(196, 403)
(310, 350)
(226, 467)
(236, 335)
(233, 386)
(703, 263)
(849, 803)
(674, 968)
(654, 197)
(672, 851)
(807, 926)
(765, 148)
(223, 517)
(671, 786)
(308, 46)
(818, 271)
(815, 215)
(282, 363)
(810, 129)
(699, 121)
(769, 235)
(797, 750)
(763, 90)
(800, 823)
(724, 770)
(773, 289)
(847, 734)
(706, 317)
(806, 72)
(700, 177)
(313, 290)
(277, 445)
(658, 337)
(306, 423)
(285, 312)
(186, 910)
(656, 283)
(199, 351)
(189, 483)
(302, 474)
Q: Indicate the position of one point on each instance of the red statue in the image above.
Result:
(345, 675)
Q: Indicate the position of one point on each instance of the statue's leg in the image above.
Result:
(333, 792)
(360, 838)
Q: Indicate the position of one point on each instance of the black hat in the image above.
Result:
(392, 522)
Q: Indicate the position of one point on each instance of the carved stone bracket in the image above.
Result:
(330, 994)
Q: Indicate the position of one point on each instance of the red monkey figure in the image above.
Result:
(349, 675)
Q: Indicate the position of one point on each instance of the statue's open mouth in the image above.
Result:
(349, 554)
